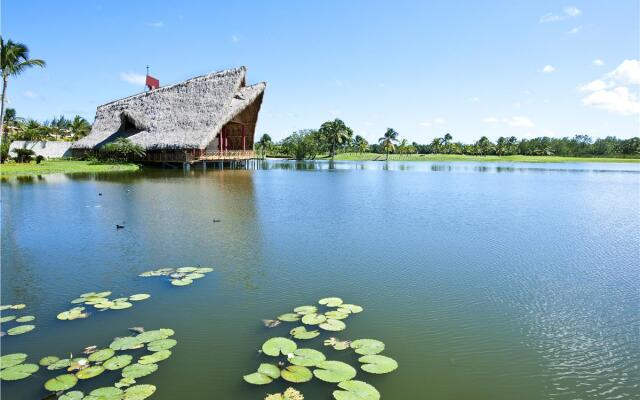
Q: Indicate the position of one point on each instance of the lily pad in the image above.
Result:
(61, 382)
(333, 325)
(162, 344)
(181, 282)
(313, 319)
(124, 382)
(150, 336)
(334, 371)
(337, 344)
(302, 333)
(126, 343)
(155, 357)
(101, 294)
(138, 370)
(118, 362)
(203, 270)
(9, 360)
(367, 346)
(186, 270)
(266, 374)
(278, 345)
(194, 275)
(157, 272)
(356, 390)
(64, 363)
(138, 297)
(18, 306)
(46, 361)
(101, 355)
(106, 393)
(335, 314)
(7, 318)
(120, 305)
(18, 372)
(90, 372)
(377, 364)
(78, 300)
(74, 395)
(330, 301)
(303, 310)
(289, 317)
(350, 308)
(296, 374)
(25, 318)
(104, 305)
(307, 357)
(19, 330)
(139, 392)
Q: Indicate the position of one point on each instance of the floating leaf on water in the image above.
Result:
(126, 343)
(302, 333)
(377, 364)
(278, 345)
(139, 392)
(138, 370)
(19, 330)
(77, 364)
(124, 382)
(64, 363)
(356, 390)
(102, 294)
(7, 318)
(5, 307)
(18, 372)
(90, 372)
(17, 306)
(350, 308)
(90, 349)
(74, 395)
(334, 371)
(104, 305)
(330, 301)
(270, 323)
(117, 362)
(289, 394)
(257, 378)
(296, 374)
(9, 360)
(203, 270)
(120, 305)
(270, 370)
(307, 357)
(61, 382)
(157, 272)
(162, 344)
(333, 325)
(26, 318)
(181, 282)
(106, 393)
(78, 300)
(313, 319)
(289, 317)
(155, 357)
(303, 310)
(194, 275)
(101, 355)
(167, 331)
(186, 270)
(150, 336)
(367, 346)
(335, 314)
(337, 344)
(138, 297)
(89, 294)
(46, 361)
(74, 313)
(177, 275)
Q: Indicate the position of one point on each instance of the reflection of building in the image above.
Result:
(209, 117)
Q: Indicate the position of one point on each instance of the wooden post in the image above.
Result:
(244, 139)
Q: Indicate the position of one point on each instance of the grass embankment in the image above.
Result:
(64, 166)
(458, 157)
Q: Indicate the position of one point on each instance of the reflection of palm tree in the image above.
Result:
(387, 141)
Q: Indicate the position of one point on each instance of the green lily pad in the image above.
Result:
(150, 336)
(18, 306)
(186, 270)
(78, 300)
(356, 390)
(270, 370)
(117, 362)
(350, 308)
(162, 344)
(101, 355)
(124, 382)
(181, 282)
(337, 344)
(307, 357)
(289, 317)
(278, 345)
(90, 372)
(126, 343)
(138, 370)
(120, 305)
(139, 392)
(167, 331)
(333, 325)
(313, 319)
(88, 294)
(64, 363)
(194, 275)
(203, 270)
(266, 374)
(74, 313)
(9, 360)
(106, 393)
(296, 374)
(101, 294)
(46, 361)
(335, 314)
(104, 305)
(155, 357)
(330, 301)
(20, 329)
(74, 395)
(303, 310)
(367, 346)
(138, 297)
(157, 272)
(377, 364)
(7, 318)
(5, 307)
(61, 382)
(18, 372)
(302, 333)
(25, 318)
(334, 371)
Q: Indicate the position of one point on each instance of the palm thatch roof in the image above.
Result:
(185, 115)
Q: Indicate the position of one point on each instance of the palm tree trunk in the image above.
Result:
(3, 134)
(333, 148)
(387, 157)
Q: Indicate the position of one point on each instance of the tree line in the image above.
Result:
(336, 137)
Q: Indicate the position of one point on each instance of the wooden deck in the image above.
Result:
(226, 155)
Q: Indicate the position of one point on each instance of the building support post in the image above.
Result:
(244, 139)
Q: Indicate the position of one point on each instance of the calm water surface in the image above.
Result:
(486, 281)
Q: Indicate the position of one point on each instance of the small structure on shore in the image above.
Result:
(207, 118)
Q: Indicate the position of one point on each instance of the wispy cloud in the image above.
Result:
(133, 78)
(235, 38)
(598, 62)
(156, 24)
(574, 30)
(616, 91)
(548, 69)
(567, 12)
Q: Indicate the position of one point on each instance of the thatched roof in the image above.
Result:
(185, 115)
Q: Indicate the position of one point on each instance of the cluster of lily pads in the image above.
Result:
(179, 276)
(13, 319)
(101, 302)
(295, 362)
(95, 361)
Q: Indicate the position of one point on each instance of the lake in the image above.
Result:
(485, 281)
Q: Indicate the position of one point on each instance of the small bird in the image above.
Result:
(100, 194)
(119, 226)
(216, 220)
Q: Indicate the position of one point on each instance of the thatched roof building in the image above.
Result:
(205, 115)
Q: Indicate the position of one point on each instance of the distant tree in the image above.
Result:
(335, 132)
(79, 128)
(23, 155)
(301, 144)
(446, 140)
(387, 141)
(10, 116)
(436, 146)
(264, 144)
(360, 144)
(484, 146)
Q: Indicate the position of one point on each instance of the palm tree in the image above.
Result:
(79, 127)
(403, 146)
(446, 140)
(336, 132)
(436, 145)
(14, 59)
(264, 144)
(387, 141)
(360, 144)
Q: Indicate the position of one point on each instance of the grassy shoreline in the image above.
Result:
(62, 166)
(457, 157)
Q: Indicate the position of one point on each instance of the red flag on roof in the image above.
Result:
(152, 83)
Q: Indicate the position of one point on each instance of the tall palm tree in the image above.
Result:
(79, 127)
(360, 144)
(264, 144)
(336, 132)
(446, 141)
(14, 59)
(403, 146)
(387, 141)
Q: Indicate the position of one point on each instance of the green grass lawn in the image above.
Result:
(456, 157)
(66, 166)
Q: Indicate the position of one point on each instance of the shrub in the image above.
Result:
(4, 150)
(39, 159)
(120, 150)
(23, 155)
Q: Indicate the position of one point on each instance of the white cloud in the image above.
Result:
(614, 92)
(439, 121)
(157, 24)
(593, 86)
(572, 11)
(133, 78)
(598, 62)
(519, 121)
(235, 38)
(627, 73)
(548, 69)
(567, 12)
(30, 94)
(574, 30)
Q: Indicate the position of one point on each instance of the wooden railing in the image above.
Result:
(227, 155)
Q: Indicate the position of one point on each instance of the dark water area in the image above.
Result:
(485, 281)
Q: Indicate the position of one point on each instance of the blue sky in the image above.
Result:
(471, 68)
